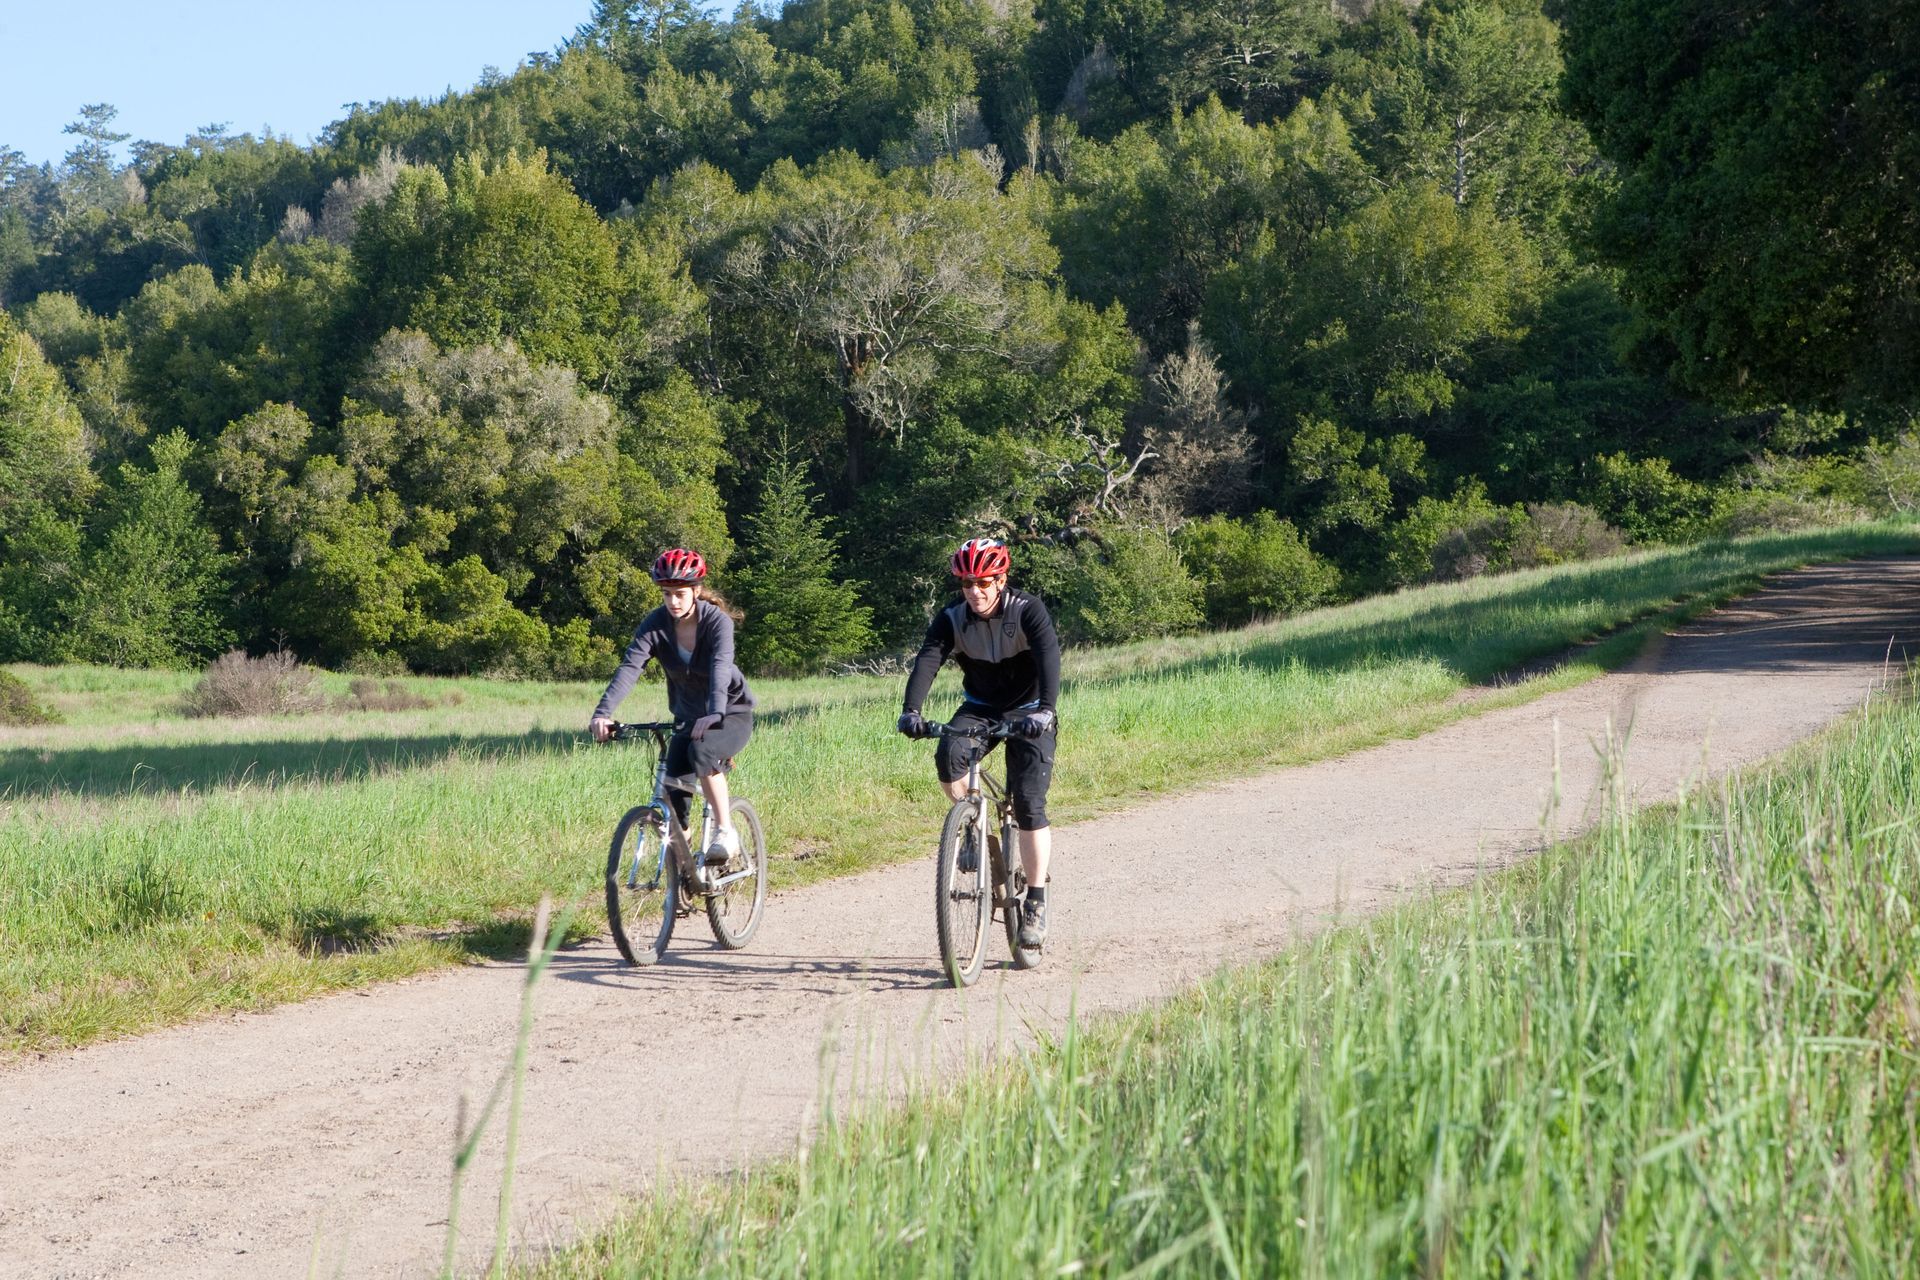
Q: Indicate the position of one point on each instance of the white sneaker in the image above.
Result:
(726, 843)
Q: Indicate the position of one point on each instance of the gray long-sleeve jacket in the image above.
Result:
(709, 685)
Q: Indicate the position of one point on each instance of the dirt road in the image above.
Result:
(320, 1135)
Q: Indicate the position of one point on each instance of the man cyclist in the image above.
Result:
(1009, 657)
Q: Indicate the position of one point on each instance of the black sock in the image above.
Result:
(1037, 893)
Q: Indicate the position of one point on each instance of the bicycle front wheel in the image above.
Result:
(643, 889)
(734, 911)
(962, 899)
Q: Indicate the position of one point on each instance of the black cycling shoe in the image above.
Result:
(1033, 923)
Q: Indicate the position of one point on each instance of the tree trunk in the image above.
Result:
(853, 358)
(1460, 160)
(855, 424)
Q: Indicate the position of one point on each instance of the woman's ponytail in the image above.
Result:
(718, 601)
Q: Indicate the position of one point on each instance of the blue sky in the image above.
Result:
(172, 68)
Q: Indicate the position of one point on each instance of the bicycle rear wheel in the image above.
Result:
(963, 895)
(735, 911)
(643, 889)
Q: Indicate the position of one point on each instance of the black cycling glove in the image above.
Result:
(1034, 724)
(915, 725)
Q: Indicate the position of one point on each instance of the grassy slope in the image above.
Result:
(158, 868)
(1686, 1045)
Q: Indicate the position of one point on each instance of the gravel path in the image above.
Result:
(317, 1138)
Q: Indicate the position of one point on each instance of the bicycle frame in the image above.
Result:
(984, 791)
(675, 845)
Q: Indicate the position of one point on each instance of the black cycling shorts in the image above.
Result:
(706, 757)
(1029, 764)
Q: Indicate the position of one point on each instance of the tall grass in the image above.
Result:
(1688, 1044)
(153, 868)
(511, 1085)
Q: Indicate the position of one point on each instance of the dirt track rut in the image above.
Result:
(320, 1134)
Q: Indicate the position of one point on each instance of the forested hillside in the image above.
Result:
(1216, 310)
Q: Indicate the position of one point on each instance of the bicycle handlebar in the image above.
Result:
(998, 731)
(618, 732)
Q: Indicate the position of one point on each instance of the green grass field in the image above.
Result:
(157, 868)
(1688, 1044)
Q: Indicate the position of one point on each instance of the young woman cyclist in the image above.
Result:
(1009, 657)
(691, 636)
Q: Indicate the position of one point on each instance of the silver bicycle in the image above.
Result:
(654, 877)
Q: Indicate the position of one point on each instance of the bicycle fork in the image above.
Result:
(658, 821)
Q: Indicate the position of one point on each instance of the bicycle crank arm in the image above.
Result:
(724, 881)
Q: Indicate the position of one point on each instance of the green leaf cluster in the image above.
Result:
(1212, 309)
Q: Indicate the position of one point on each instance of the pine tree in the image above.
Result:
(88, 177)
(152, 589)
(798, 617)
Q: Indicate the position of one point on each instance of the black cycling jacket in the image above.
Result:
(709, 685)
(1009, 660)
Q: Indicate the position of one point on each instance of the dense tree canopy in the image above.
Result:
(1215, 310)
(1767, 212)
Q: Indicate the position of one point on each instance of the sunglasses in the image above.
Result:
(978, 584)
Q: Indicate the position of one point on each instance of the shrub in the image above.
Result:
(1890, 470)
(1467, 551)
(576, 653)
(1562, 532)
(274, 684)
(1130, 587)
(1471, 536)
(1445, 539)
(19, 707)
(1753, 511)
(40, 557)
(371, 695)
(376, 662)
(1259, 567)
(1781, 493)
(469, 624)
(1647, 501)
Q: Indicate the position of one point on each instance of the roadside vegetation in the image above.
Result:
(160, 867)
(1686, 1044)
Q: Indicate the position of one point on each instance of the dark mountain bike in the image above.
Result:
(979, 874)
(654, 876)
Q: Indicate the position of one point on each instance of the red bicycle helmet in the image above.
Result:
(677, 564)
(980, 558)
